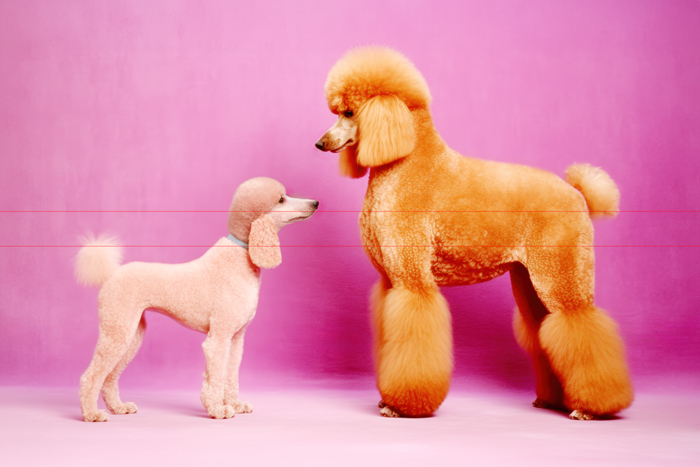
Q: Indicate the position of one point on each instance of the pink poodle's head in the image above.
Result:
(260, 208)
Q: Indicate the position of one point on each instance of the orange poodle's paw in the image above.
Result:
(540, 404)
(381, 404)
(96, 416)
(125, 408)
(388, 412)
(581, 415)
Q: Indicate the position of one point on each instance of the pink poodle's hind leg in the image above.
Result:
(580, 341)
(527, 319)
(110, 389)
(116, 335)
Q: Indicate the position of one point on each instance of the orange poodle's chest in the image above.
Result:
(370, 240)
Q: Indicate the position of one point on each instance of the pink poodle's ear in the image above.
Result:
(385, 131)
(348, 164)
(264, 244)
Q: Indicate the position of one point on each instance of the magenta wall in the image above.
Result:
(169, 105)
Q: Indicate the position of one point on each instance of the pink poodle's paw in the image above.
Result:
(220, 411)
(581, 415)
(125, 408)
(388, 412)
(96, 416)
(242, 407)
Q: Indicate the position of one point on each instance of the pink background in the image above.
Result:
(169, 105)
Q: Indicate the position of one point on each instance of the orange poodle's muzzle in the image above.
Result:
(341, 135)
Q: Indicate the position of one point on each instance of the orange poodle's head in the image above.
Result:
(373, 91)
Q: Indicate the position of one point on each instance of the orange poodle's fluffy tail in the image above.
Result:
(97, 260)
(600, 191)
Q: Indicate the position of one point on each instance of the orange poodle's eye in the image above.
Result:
(348, 113)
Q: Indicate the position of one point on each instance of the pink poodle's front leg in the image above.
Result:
(234, 363)
(216, 347)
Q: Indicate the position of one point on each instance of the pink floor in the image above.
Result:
(40, 426)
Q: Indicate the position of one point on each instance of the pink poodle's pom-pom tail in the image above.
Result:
(97, 260)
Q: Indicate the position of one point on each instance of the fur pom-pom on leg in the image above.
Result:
(414, 355)
(377, 298)
(97, 260)
(588, 356)
(524, 336)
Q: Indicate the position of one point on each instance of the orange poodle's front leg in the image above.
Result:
(413, 350)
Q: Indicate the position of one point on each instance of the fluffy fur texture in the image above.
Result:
(387, 131)
(264, 245)
(600, 191)
(97, 260)
(432, 218)
(370, 72)
(216, 294)
(408, 327)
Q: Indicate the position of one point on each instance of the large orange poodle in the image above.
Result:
(433, 218)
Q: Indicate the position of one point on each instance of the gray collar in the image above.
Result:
(237, 241)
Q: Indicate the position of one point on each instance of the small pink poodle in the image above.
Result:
(216, 294)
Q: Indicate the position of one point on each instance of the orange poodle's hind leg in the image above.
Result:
(527, 319)
(580, 340)
(588, 354)
(413, 350)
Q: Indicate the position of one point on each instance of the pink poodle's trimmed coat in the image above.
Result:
(216, 294)
(433, 218)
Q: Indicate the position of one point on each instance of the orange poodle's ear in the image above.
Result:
(348, 164)
(264, 244)
(385, 131)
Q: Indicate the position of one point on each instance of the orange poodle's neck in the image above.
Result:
(428, 140)
(429, 145)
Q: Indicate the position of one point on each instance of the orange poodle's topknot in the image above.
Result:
(367, 72)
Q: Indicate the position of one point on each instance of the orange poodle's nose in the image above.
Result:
(319, 145)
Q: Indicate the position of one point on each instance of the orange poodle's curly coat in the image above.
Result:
(433, 218)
